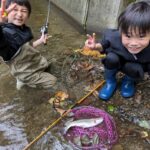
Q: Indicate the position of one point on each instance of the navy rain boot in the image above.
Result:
(127, 87)
(110, 86)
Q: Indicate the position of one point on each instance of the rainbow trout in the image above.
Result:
(84, 123)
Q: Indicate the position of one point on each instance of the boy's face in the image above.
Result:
(18, 16)
(135, 42)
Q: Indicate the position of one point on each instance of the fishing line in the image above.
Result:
(44, 28)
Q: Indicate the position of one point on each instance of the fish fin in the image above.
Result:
(68, 121)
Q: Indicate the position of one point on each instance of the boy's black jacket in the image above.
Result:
(111, 42)
(12, 37)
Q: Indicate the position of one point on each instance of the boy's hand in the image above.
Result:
(43, 38)
(4, 12)
(90, 42)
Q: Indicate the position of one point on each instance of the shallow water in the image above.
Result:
(26, 113)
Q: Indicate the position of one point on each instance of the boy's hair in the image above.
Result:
(25, 3)
(135, 16)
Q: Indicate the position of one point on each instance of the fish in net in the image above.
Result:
(99, 137)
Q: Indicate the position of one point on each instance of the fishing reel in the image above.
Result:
(44, 29)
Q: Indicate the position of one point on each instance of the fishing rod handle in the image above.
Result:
(44, 29)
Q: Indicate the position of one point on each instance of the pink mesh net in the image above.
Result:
(106, 131)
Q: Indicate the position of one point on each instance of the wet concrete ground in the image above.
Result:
(25, 113)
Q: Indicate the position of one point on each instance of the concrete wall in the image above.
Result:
(103, 14)
(94, 15)
(77, 9)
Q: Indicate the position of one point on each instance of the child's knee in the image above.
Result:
(133, 70)
(49, 82)
(111, 61)
(53, 80)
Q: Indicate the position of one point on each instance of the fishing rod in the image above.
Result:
(63, 115)
(44, 28)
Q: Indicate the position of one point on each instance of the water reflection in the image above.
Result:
(52, 141)
(12, 133)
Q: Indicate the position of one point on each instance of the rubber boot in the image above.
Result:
(110, 86)
(127, 87)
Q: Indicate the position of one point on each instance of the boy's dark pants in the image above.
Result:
(131, 69)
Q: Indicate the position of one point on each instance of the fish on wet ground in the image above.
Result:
(84, 123)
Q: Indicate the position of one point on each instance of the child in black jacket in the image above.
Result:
(25, 62)
(127, 49)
